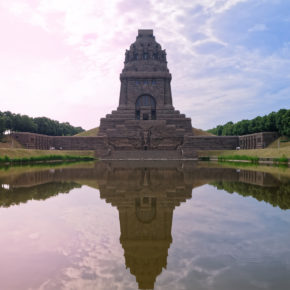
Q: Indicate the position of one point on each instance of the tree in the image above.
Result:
(8, 120)
(279, 119)
(40, 125)
(2, 126)
(285, 124)
(273, 122)
(270, 122)
(228, 129)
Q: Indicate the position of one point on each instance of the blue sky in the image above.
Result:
(241, 65)
(230, 59)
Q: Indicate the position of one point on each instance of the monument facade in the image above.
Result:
(145, 125)
(145, 118)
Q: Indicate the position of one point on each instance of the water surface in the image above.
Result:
(165, 225)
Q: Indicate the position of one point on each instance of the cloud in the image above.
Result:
(216, 66)
(26, 11)
(227, 242)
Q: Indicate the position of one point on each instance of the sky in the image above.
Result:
(229, 59)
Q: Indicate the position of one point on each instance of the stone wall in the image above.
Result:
(257, 140)
(44, 142)
(108, 149)
(33, 141)
(210, 142)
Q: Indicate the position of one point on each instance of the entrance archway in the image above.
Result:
(145, 108)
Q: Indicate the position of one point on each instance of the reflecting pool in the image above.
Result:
(149, 225)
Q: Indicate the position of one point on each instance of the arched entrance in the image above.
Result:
(145, 108)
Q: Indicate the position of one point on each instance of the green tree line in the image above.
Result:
(273, 122)
(276, 196)
(38, 192)
(39, 125)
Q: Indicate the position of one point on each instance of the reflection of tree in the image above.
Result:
(16, 196)
(276, 196)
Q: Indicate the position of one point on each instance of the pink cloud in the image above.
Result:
(62, 59)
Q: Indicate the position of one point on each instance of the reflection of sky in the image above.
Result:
(66, 242)
(220, 241)
(223, 241)
(227, 57)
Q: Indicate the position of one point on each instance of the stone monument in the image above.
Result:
(145, 124)
(145, 119)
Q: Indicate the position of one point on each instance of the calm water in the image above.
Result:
(143, 226)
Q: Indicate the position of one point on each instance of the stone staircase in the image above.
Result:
(144, 155)
(122, 116)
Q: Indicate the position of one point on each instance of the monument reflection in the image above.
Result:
(145, 198)
(145, 195)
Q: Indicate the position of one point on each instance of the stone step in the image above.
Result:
(145, 155)
(120, 127)
(166, 117)
(120, 116)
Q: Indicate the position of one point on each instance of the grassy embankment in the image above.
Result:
(89, 133)
(44, 158)
(20, 155)
(27, 153)
(199, 132)
(278, 151)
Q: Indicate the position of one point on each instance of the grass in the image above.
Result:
(27, 153)
(45, 158)
(8, 142)
(261, 153)
(281, 142)
(199, 132)
(89, 133)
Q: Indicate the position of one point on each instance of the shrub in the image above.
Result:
(253, 159)
(282, 159)
(46, 158)
(204, 158)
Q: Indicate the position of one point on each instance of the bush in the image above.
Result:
(282, 159)
(204, 158)
(46, 158)
(253, 159)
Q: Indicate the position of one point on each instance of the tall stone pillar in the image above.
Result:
(167, 93)
(123, 93)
